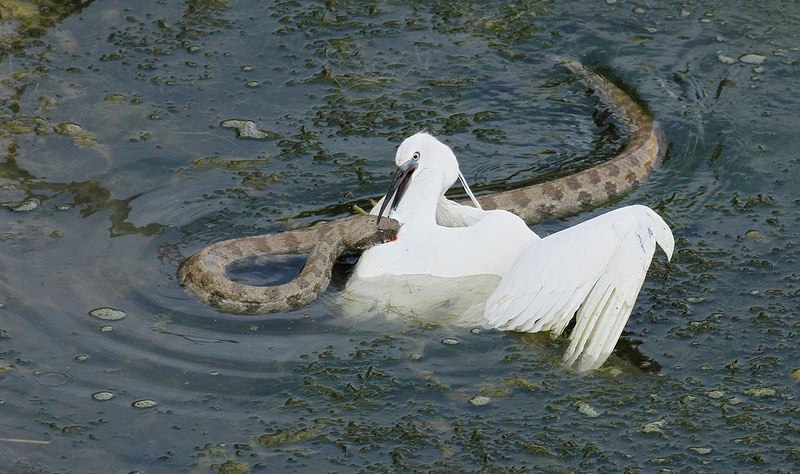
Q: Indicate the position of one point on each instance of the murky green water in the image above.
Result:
(122, 155)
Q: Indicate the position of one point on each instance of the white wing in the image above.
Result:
(448, 213)
(593, 270)
(452, 214)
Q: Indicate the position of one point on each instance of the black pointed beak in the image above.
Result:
(401, 179)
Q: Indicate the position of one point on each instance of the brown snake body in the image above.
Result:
(204, 272)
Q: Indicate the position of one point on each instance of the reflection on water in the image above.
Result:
(134, 133)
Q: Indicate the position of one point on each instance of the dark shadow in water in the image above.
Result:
(342, 270)
(266, 270)
(91, 195)
(626, 352)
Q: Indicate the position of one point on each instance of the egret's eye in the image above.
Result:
(415, 156)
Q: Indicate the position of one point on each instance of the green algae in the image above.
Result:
(284, 436)
(694, 318)
(23, 125)
(79, 135)
(229, 164)
(248, 129)
(233, 467)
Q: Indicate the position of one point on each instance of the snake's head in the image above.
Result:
(363, 233)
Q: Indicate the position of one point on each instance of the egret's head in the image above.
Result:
(427, 152)
(416, 154)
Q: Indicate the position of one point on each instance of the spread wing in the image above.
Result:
(593, 271)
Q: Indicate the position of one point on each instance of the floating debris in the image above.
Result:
(79, 136)
(81, 357)
(751, 58)
(144, 403)
(64, 207)
(27, 205)
(115, 98)
(726, 59)
(21, 124)
(479, 400)
(496, 391)
(106, 328)
(283, 436)
(23, 206)
(475, 331)
(586, 409)
(217, 162)
(796, 374)
(753, 234)
(233, 467)
(70, 429)
(700, 449)
(102, 396)
(761, 392)
(415, 356)
(518, 382)
(248, 129)
(107, 314)
(450, 341)
(653, 427)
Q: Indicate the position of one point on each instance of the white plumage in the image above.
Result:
(592, 271)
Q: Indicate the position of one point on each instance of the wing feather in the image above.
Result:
(592, 271)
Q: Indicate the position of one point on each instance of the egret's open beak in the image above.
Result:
(401, 179)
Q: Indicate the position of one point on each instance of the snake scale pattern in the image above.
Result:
(204, 273)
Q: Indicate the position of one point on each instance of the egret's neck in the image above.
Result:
(421, 198)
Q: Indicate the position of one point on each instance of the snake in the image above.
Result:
(204, 273)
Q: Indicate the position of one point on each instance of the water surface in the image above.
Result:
(135, 133)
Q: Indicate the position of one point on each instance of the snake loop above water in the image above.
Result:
(204, 273)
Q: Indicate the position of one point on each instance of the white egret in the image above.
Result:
(592, 271)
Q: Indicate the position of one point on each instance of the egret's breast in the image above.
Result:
(419, 297)
(488, 247)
